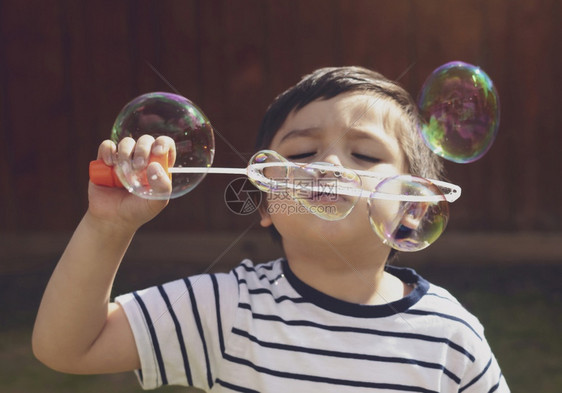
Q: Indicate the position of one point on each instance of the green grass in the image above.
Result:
(524, 333)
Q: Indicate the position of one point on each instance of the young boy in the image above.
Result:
(332, 316)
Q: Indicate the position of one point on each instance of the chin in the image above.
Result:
(340, 232)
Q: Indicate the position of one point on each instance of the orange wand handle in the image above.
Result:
(104, 175)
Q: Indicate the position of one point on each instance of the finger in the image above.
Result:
(165, 145)
(106, 152)
(125, 150)
(142, 151)
(158, 179)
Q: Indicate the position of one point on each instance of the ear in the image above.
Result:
(415, 214)
(265, 216)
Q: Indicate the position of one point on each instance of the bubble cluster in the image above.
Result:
(408, 213)
(166, 114)
(460, 112)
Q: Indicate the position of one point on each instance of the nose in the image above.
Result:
(332, 159)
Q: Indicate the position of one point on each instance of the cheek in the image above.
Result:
(400, 161)
(279, 199)
(401, 157)
(404, 165)
(382, 171)
(279, 206)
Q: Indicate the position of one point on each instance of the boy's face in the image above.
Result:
(347, 130)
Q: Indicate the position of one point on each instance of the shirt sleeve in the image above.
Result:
(484, 374)
(179, 328)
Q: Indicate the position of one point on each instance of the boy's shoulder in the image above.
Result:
(438, 303)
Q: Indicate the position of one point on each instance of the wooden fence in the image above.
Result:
(67, 67)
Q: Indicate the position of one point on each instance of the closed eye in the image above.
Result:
(363, 157)
(301, 156)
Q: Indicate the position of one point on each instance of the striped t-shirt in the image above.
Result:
(259, 328)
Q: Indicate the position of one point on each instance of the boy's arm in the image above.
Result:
(77, 329)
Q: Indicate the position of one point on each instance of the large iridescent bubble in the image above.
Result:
(408, 213)
(460, 112)
(166, 114)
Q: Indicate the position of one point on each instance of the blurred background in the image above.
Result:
(68, 67)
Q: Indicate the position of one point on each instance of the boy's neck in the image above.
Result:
(348, 274)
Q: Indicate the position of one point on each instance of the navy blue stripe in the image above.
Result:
(496, 386)
(179, 334)
(347, 355)
(268, 266)
(236, 275)
(413, 336)
(236, 388)
(251, 269)
(218, 311)
(446, 316)
(197, 318)
(247, 268)
(140, 375)
(276, 278)
(261, 291)
(272, 281)
(475, 379)
(153, 337)
(327, 380)
(443, 297)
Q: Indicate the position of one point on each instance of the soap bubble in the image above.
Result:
(408, 213)
(320, 187)
(460, 112)
(166, 114)
(268, 171)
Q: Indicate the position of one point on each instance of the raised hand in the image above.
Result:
(116, 206)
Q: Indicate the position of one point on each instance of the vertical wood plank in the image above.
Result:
(367, 27)
(316, 31)
(8, 217)
(35, 87)
(281, 36)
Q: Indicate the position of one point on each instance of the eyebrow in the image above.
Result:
(305, 132)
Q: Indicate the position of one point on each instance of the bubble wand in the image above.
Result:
(344, 181)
